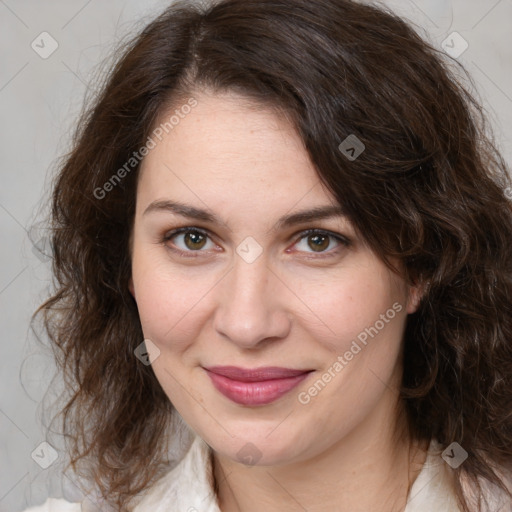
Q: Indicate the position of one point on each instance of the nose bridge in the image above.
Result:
(248, 309)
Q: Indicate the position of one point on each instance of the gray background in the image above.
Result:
(39, 101)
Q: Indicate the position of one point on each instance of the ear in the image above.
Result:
(416, 294)
(131, 287)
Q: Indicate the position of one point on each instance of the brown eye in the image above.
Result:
(186, 241)
(318, 241)
(194, 240)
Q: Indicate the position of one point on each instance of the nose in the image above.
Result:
(251, 308)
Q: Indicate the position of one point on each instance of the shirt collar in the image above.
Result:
(433, 487)
(188, 487)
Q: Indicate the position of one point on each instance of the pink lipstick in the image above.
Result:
(258, 386)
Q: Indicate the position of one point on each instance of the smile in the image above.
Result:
(259, 386)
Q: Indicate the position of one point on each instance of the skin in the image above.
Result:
(290, 307)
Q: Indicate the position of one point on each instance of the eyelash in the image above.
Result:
(345, 242)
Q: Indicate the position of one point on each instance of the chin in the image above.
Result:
(253, 446)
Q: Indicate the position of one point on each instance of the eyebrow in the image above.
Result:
(301, 217)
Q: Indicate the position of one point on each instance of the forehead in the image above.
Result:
(230, 135)
(229, 155)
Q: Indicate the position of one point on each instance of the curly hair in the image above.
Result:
(430, 189)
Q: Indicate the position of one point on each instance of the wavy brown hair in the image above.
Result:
(429, 189)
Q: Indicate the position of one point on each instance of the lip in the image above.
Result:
(258, 386)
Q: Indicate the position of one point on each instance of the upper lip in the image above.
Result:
(255, 374)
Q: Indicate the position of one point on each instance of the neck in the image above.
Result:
(369, 469)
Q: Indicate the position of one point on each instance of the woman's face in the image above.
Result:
(240, 287)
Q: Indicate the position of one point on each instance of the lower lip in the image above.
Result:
(255, 393)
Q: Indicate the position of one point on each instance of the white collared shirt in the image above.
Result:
(188, 487)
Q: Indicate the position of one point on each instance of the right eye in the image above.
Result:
(193, 240)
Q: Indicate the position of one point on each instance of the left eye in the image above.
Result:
(319, 240)
(194, 240)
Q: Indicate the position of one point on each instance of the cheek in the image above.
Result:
(364, 341)
(172, 301)
(366, 302)
(362, 350)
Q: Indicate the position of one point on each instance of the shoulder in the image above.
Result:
(433, 488)
(188, 486)
(56, 505)
(495, 497)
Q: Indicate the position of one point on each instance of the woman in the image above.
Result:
(283, 229)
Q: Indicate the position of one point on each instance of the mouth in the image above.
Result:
(258, 386)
